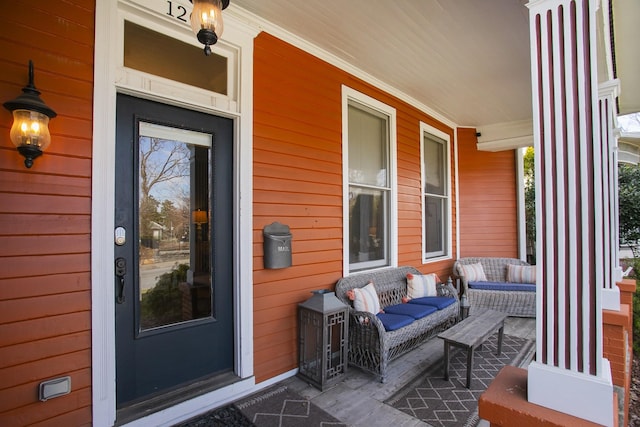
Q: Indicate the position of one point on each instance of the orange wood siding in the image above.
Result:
(488, 200)
(45, 299)
(298, 182)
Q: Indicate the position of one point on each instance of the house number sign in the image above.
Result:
(179, 11)
(176, 10)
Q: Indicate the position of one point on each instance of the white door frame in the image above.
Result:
(108, 39)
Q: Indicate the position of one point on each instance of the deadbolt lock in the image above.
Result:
(120, 236)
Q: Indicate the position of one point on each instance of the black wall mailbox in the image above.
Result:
(277, 245)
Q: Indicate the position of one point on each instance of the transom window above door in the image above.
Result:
(170, 64)
(155, 53)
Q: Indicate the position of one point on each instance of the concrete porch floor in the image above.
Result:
(359, 399)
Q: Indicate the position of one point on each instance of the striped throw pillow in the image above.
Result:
(521, 273)
(366, 299)
(419, 286)
(473, 272)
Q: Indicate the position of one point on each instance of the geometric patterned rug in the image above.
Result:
(279, 406)
(227, 416)
(274, 407)
(441, 403)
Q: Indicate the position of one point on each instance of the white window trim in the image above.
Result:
(427, 129)
(349, 94)
(522, 213)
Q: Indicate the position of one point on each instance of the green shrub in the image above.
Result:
(162, 305)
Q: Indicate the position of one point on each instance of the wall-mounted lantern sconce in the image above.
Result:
(30, 130)
(206, 21)
(199, 217)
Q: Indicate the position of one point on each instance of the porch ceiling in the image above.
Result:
(466, 60)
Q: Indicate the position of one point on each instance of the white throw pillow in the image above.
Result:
(419, 286)
(521, 273)
(366, 299)
(473, 272)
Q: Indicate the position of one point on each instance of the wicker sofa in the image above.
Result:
(371, 347)
(497, 293)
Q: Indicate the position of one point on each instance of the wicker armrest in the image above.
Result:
(447, 290)
(464, 283)
(364, 323)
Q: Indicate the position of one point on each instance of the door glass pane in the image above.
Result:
(154, 53)
(174, 241)
(367, 226)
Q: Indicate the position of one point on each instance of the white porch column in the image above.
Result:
(608, 92)
(569, 374)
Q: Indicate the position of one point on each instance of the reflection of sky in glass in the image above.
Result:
(173, 188)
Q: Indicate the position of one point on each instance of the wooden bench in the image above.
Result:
(470, 334)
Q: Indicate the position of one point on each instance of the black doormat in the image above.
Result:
(227, 416)
(441, 403)
(282, 407)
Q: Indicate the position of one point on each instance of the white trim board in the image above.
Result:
(505, 136)
(522, 213)
(198, 405)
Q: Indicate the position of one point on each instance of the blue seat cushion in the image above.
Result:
(413, 310)
(437, 302)
(392, 322)
(503, 286)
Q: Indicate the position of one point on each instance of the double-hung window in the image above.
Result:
(436, 209)
(369, 173)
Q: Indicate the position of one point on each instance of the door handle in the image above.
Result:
(121, 271)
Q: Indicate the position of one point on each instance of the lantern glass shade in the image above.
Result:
(207, 16)
(199, 217)
(30, 129)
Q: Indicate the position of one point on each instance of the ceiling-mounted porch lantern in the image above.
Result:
(206, 21)
(30, 129)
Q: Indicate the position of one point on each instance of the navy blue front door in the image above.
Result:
(173, 267)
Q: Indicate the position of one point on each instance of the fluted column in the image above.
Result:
(569, 373)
